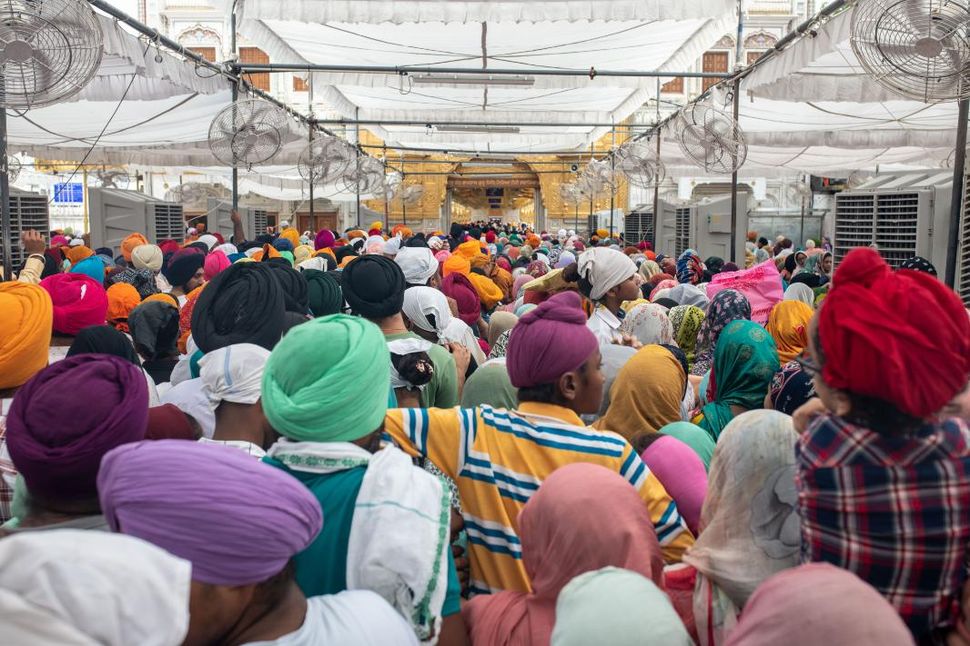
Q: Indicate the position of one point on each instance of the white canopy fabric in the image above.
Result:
(665, 35)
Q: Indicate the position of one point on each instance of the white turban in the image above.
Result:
(80, 587)
(417, 263)
(604, 269)
(436, 243)
(233, 373)
(316, 262)
(227, 248)
(147, 256)
(209, 240)
(419, 302)
(191, 398)
(392, 247)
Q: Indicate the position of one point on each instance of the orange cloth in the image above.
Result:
(79, 253)
(646, 394)
(168, 299)
(356, 233)
(469, 249)
(292, 235)
(25, 331)
(533, 241)
(788, 326)
(267, 249)
(185, 317)
(488, 292)
(504, 281)
(454, 264)
(129, 244)
(327, 251)
(122, 298)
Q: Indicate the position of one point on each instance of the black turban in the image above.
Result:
(155, 328)
(416, 241)
(242, 304)
(918, 263)
(293, 284)
(373, 286)
(201, 246)
(182, 266)
(714, 265)
(812, 280)
(343, 252)
(104, 339)
(323, 290)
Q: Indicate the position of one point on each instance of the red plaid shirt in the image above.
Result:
(893, 510)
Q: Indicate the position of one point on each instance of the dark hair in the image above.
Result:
(541, 393)
(641, 441)
(762, 240)
(415, 368)
(570, 274)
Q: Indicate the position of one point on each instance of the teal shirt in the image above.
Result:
(322, 567)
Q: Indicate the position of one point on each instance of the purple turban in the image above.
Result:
(549, 341)
(324, 239)
(68, 416)
(238, 520)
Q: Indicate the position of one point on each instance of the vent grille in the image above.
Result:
(638, 226)
(169, 221)
(682, 231)
(897, 217)
(27, 211)
(260, 222)
(964, 277)
(855, 216)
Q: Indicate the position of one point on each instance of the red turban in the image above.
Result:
(549, 341)
(458, 287)
(901, 337)
(79, 301)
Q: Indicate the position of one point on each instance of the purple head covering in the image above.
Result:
(64, 420)
(549, 341)
(324, 239)
(238, 520)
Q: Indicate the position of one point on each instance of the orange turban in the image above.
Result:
(267, 249)
(25, 331)
(129, 244)
(168, 299)
(292, 235)
(456, 264)
(78, 253)
(469, 249)
(122, 298)
(533, 241)
(185, 317)
(788, 326)
(356, 233)
(327, 251)
(488, 292)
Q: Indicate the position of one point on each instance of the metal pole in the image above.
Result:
(737, 105)
(446, 76)
(612, 177)
(357, 161)
(656, 184)
(404, 207)
(483, 124)
(234, 87)
(5, 228)
(313, 219)
(956, 198)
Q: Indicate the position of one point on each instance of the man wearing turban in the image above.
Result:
(239, 522)
(324, 391)
(243, 304)
(185, 272)
(554, 361)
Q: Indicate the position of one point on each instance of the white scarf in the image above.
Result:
(400, 531)
(604, 269)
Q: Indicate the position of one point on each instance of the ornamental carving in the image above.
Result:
(726, 42)
(760, 40)
(197, 35)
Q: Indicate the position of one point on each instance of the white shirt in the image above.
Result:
(604, 324)
(357, 617)
(244, 446)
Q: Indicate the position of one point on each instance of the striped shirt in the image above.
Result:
(498, 459)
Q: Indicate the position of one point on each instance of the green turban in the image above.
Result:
(323, 290)
(327, 380)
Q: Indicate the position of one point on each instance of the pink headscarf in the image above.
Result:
(664, 284)
(682, 474)
(458, 287)
(519, 283)
(215, 262)
(559, 544)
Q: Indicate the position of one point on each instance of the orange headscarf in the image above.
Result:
(788, 326)
(25, 331)
(128, 244)
(488, 292)
(122, 298)
(185, 317)
(455, 264)
(78, 253)
(504, 281)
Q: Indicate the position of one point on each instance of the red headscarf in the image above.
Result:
(901, 337)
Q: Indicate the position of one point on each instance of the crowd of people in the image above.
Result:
(488, 435)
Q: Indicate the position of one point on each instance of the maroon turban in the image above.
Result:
(901, 337)
(324, 240)
(79, 302)
(549, 341)
(168, 422)
(64, 420)
(458, 287)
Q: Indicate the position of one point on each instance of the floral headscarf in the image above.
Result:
(689, 268)
(686, 321)
(726, 306)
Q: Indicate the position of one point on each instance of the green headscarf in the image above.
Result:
(745, 361)
(327, 380)
(490, 385)
(323, 292)
(693, 436)
(686, 321)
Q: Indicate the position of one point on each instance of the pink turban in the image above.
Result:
(215, 262)
(324, 239)
(458, 287)
(79, 302)
(549, 341)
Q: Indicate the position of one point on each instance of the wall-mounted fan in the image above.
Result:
(600, 176)
(248, 132)
(710, 138)
(195, 192)
(113, 178)
(919, 49)
(325, 160)
(639, 164)
(365, 176)
(49, 50)
(13, 168)
(411, 194)
(569, 194)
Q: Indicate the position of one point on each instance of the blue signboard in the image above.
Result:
(69, 193)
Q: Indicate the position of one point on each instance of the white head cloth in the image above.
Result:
(436, 243)
(191, 398)
(417, 263)
(314, 263)
(71, 586)
(393, 246)
(147, 256)
(227, 248)
(649, 324)
(233, 373)
(800, 292)
(419, 302)
(209, 240)
(402, 347)
(604, 269)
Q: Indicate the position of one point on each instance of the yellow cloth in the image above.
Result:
(509, 442)
(377, 225)
(788, 326)
(626, 306)
(504, 281)
(79, 253)
(356, 233)
(292, 235)
(168, 299)
(646, 394)
(549, 284)
(469, 249)
(129, 244)
(603, 233)
(455, 263)
(302, 253)
(488, 292)
(122, 298)
(26, 320)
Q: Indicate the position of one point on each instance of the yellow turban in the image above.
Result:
(376, 225)
(455, 263)
(488, 292)
(292, 235)
(603, 233)
(168, 299)
(25, 331)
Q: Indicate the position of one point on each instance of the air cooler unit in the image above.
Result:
(902, 215)
(115, 213)
(963, 259)
(638, 225)
(712, 228)
(27, 211)
(254, 220)
(673, 229)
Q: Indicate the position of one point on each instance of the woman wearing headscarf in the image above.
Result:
(749, 521)
(681, 472)
(558, 544)
(726, 306)
(689, 268)
(800, 292)
(687, 294)
(814, 604)
(790, 389)
(788, 326)
(607, 278)
(745, 362)
(686, 321)
(693, 436)
(498, 323)
(646, 394)
(648, 323)
(648, 269)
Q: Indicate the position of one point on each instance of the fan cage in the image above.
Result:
(248, 132)
(711, 138)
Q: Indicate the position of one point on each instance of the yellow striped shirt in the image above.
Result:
(498, 459)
